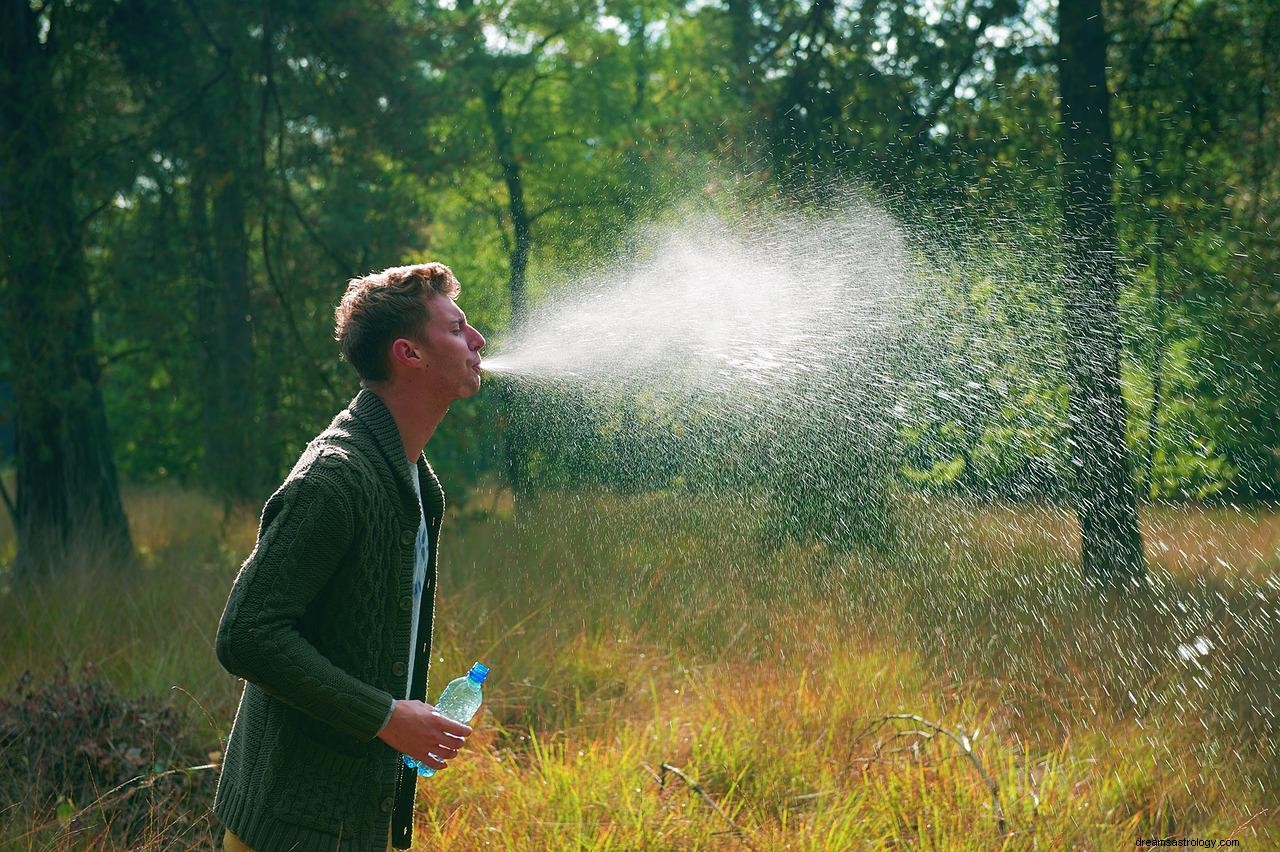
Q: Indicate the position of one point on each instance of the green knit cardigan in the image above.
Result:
(318, 625)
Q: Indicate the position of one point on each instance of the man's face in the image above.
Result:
(452, 350)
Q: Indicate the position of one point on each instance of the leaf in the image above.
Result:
(65, 811)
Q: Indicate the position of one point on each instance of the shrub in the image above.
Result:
(77, 757)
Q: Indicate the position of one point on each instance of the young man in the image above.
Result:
(329, 619)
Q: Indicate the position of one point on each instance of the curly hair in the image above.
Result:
(380, 307)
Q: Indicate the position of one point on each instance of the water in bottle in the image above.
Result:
(459, 701)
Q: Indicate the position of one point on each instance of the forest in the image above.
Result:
(1087, 191)
(187, 187)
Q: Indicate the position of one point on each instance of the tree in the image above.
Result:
(268, 187)
(1111, 545)
(66, 475)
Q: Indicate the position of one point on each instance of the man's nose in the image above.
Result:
(477, 341)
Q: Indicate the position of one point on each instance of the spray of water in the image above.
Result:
(802, 360)
(785, 303)
(749, 355)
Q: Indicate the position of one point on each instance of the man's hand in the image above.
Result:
(420, 731)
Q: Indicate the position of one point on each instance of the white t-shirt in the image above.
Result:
(419, 569)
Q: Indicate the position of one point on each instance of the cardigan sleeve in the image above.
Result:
(306, 529)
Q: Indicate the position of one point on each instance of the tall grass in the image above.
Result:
(146, 630)
(626, 633)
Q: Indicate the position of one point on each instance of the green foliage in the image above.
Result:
(305, 143)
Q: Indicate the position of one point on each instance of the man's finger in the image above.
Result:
(444, 750)
(434, 762)
(449, 726)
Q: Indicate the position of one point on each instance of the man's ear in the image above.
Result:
(406, 352)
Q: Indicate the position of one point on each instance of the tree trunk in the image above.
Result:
(742, 36)
(521, 223)
(224, 303)
(1158, 347)
(637, 184)
(66, 477)
(1111, 545)
(206, 311)
(515, 442)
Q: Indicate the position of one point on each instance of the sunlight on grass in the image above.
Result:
(624, 635)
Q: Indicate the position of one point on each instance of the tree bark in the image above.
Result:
(742, 36)
(224, 302)
(521, 222)
(515, 442)
(67, 488)
(636, 183)
(1159, 345)
(1111, 545)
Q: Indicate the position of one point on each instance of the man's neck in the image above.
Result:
(416, 417)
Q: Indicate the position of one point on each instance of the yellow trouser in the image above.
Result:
(231, 843)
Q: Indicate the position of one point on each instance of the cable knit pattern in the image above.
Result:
(318, 625)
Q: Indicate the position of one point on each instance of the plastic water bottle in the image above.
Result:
(459, 701)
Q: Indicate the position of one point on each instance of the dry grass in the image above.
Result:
(625, 633)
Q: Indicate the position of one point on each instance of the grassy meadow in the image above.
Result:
(662, 681)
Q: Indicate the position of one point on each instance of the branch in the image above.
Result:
(1144, 43)
(1038, 55)
(92, 214)
(697, 788)
(960, 740)
(1168, 19)
(271, 95)
(553, 206)
(224, 60)
(284, 303)
(568, 136)
(930, 116)
(113, 357)
(524, 99)
(167, 120)
(381, 70)
(208, 31)
(8, 503)
(531, 56)
(493, 210)
(343, 265)
(801, 23)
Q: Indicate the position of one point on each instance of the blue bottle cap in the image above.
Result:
(478, 672)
